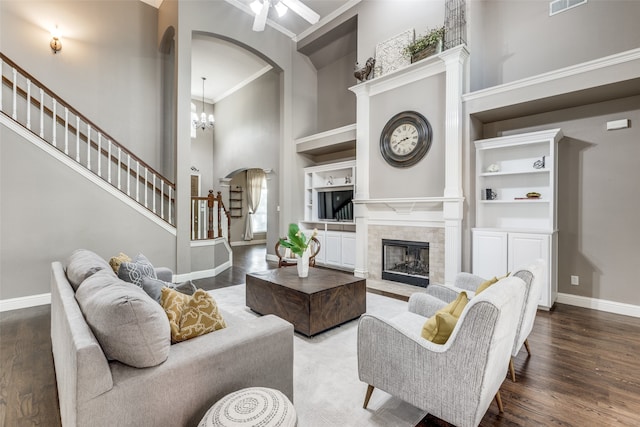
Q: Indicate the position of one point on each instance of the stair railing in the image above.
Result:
(25, 100)
(207, 218)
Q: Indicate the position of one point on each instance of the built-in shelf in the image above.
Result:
(331, 141)
(515, 172)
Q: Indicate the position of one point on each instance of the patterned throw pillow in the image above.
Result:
(115, 261)
(191, 316)
(133, 272)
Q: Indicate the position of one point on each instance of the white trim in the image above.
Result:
(24, 302)
(330, 17)
(154, 3)
(571, 71)
(248, 242)
(55, 153)
(346, 133)
(600, 304)
(201, 274)
(243, 83)
(271, 257)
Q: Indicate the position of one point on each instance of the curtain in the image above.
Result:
(255, 178)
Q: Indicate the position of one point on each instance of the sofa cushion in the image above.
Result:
(134, 271)
(130, 327)
(115, 261)
(191, 316)
(82, 264)
(153, 287)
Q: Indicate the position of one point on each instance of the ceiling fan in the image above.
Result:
(261, 9)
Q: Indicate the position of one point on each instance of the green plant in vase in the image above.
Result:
(425, 45)
(296, 241)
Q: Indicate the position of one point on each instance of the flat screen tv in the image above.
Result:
(335, 205)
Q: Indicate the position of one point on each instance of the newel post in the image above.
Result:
(210, 202)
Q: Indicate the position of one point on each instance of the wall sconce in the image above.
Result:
(55, 44)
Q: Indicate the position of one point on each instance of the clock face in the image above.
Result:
(405, 139)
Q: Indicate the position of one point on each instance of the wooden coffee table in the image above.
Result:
(324, 299)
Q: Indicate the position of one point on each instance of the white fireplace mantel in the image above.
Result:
(446, 211)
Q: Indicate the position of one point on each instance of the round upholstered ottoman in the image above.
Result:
(255, 406)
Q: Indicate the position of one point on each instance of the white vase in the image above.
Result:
(303, 264)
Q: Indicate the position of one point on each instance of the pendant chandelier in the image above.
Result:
(203, 122)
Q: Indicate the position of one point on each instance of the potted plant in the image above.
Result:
(425, 45)
(298, 243)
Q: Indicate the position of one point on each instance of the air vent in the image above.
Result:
(557, 6)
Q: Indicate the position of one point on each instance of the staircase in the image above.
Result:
(43, 114)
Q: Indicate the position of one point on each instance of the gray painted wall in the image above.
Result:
(110, 75)
(48, 211)
(336, 103)
(202, 153)
(598, 196)
(511, 40)
(382, 19)
(426, 178)
(247, 135)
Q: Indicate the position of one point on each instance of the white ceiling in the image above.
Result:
(226, 67)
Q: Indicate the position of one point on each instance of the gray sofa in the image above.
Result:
(94, 391)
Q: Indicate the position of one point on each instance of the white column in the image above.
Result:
(454, 60)
(363, 107)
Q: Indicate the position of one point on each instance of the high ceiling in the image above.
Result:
(228, 67)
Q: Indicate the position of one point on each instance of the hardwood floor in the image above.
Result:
(584, 371)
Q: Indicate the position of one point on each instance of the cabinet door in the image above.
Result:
(320, 258)
(524, 249)
(489, 255)
(333, 248)
(349, 250)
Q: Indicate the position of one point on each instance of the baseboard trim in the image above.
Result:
(202, 274)
(271, 257)
(600, 304)
(24, 302)
(248, 242)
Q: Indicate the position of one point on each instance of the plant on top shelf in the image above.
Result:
(425, 45)
(296, 240)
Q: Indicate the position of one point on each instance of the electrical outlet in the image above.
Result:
(575, 280)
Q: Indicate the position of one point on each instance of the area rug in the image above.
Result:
(327, 391)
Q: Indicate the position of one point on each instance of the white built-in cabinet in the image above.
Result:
(512, 229)
(337, 238)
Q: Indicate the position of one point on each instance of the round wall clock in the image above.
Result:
(405, 139)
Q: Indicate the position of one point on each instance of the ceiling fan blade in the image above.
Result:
(303, 10)
(261, 18)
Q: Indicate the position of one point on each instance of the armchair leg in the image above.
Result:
(499, 402)
(512, 370)
(526, 345)
(368, 396)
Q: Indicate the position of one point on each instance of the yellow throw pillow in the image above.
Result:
(191, 315)
(456, 306)
(115, 261)
(484, 285)
(439, 327)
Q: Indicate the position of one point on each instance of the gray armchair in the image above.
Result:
(437, 296)
(455, 381)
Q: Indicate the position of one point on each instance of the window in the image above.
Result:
(259, 223)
